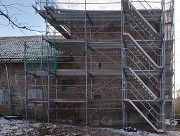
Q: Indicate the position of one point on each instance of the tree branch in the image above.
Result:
(16, 25)
(5, 14)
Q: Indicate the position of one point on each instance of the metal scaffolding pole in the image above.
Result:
(142, 62)
(124, 119)
(48, 99)
(56, 89)
(163, 77)
(9, 90)
(86, 61)
(25, 82)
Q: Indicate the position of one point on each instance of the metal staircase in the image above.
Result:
(144, 116)
(138, 79)
(142, 51)
(137, 16)
(139, 58)
(145, 107)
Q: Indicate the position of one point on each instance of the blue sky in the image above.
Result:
(24, 14)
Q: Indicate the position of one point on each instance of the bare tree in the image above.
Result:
(12, 21)
(177, 102)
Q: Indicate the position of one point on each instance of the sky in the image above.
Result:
(21, 11)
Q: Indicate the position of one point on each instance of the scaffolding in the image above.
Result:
(115, 61)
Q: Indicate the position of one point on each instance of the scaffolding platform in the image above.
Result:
(104, 100)
(96, 73)
(79, 45)
(116, 57)
(66, 101)
(38, 101)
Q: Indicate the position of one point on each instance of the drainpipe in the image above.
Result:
(9, 89)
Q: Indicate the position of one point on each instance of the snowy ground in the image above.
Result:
(22, 128)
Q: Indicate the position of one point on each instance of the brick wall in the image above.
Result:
(74, 88)
(16, 80)
(97, 33)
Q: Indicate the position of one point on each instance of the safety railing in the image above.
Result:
(151, 7)
(144, 101)
(142, 52)
(138, 79)
(152, 44)
(139, 18)
(146, 72)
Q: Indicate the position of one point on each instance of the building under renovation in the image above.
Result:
(100, 63)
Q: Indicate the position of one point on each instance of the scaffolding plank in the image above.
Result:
(73, 45)
(81, 73)
(104, 100)
(58, 17)
(67, 101)
(37, 101)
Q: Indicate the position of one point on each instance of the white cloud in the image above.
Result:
(90, 4)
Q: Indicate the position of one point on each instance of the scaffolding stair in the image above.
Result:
(137, 16)
(142, 52)
(136, 77)
(140, 112)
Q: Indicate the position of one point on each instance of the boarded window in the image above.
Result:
(68, 88)
(4, 97)
(1, 96)
(34, 95)
(99, 65)
(68, 85)
(97, 96)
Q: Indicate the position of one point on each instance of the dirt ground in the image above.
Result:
(24, 128)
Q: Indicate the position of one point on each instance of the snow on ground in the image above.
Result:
(17, 127)
(20, 127)
(144, 133)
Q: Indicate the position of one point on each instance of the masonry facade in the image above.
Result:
(111, 68)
